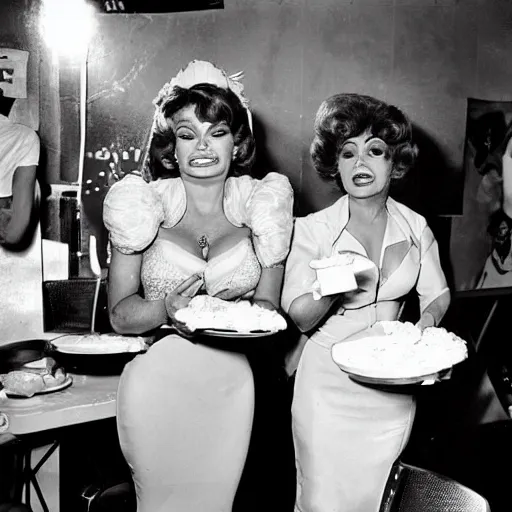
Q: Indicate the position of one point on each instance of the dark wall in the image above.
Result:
(14, 26)
(426, 56)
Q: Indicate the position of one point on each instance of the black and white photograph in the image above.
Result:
(255, 255)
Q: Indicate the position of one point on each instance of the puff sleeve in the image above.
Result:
(266, 207)
(132, 213)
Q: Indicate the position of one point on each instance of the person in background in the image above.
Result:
(347, 436)
(19, 157)
(185, 408)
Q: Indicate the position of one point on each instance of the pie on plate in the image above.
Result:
(37, 377)
(402, 352)
(98, 344)
(205, 312)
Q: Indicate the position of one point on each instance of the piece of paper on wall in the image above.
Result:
(13, 72)
(55, 260)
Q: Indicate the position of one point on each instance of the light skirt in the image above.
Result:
(346, 436)
(185, 415)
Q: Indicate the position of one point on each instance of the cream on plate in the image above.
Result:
(205, 312)
(402, 352)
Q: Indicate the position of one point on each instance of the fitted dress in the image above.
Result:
(185, 409)
(346, 435)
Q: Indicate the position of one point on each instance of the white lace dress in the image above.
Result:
(185, 410)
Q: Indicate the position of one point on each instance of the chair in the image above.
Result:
(118, 498)
(477, 457)
(413, 489)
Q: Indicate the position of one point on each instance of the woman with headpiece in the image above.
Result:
(185, 409)
(347, 436)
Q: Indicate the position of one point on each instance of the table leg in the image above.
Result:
(30, 475)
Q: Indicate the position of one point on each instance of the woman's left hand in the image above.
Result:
(265, 304)
(426, 320)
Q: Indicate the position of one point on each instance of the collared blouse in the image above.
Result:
(409, 259)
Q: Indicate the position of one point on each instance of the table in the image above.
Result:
(89, 398)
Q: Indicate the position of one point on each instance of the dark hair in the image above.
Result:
(212, 104)
(347, 115)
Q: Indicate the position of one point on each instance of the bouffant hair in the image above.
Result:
(212, 104)
(347, 115)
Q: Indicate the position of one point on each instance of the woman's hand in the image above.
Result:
(426, 320)
(175, 301)
(265, 304)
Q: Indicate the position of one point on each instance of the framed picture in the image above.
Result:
(481, 241)
(154, 6)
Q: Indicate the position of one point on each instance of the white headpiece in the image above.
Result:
(196, 72)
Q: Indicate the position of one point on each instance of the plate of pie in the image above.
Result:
(95, 353)
(49, 389)
(222, 333)
(230, 319)
(97, 344)
(37, 377)
(401, 355)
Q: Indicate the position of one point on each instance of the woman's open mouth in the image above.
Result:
(363, 178)
(203, 161)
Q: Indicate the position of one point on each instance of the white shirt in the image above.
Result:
(19, 147)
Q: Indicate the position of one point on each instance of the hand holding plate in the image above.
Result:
(176, 300)
(426, 320)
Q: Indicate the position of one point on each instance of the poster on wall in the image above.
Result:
(481, 242)
(154, 6)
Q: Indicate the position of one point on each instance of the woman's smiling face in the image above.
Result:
(203, 149)
(364, 166)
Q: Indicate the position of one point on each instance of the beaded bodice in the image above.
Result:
(232, 274)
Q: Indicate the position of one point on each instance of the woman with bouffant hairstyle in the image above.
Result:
(346, 435)
(213, 105)
(346, 115)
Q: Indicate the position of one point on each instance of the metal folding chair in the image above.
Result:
(413, 489)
